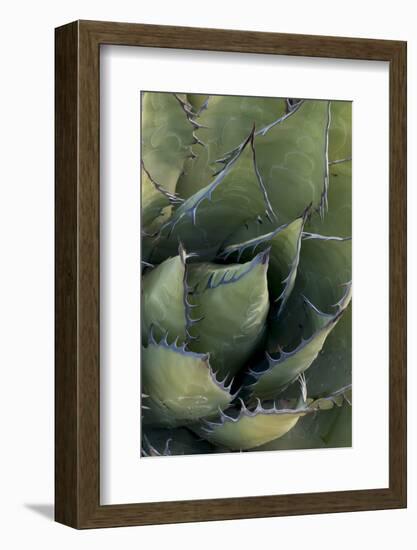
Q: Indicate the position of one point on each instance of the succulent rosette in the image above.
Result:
(246, 273)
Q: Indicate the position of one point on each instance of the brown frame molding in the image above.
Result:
(77, 274)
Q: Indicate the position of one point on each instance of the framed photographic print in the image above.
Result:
(230, 274)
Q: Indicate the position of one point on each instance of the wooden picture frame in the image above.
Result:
(77, 382)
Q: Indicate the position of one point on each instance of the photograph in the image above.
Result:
(209, 275)
(246, 262)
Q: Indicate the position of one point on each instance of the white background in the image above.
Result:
(125, 478)
(26, 300)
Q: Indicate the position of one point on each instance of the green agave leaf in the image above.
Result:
(150, 254)
(326, 353)
(334, 217)
(156, 204)
(225, 123)
(292, 159)
(332, 368)
(160, 249)
(340, 132)
(285, 244)
(248, 429)
(156, 245)
(324, 269)
(307, 434)
(315, 307)
(207, 218)
(173, 441)
(260, 227)
(325, 429)
(337, 221)
(163, 300)
(167, 136)
(285, 368)
(181, 385)
(151, 229)
(323, 272)
(155, 414)
(299, 322)
(295, 342)
(314, 429)
(153, 201)
(335, 399)
(233, 303)
(198, 102)
(340, 432)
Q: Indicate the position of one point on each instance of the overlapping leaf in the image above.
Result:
(284, 367)
(324, 270)
(323, 429)
(340, 131)
(233, 303)
(318, 303)
(285, 245)
(208, 217)
(292, 159)
(181, 385)
(167, 136)
(163, 295)
(337, 221)
(224, 125)
(248, 429)
(198, 102)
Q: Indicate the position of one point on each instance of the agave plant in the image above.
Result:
(246, 273)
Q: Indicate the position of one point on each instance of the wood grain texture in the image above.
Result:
(78, 286)
(66, 237)
(398, 273)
